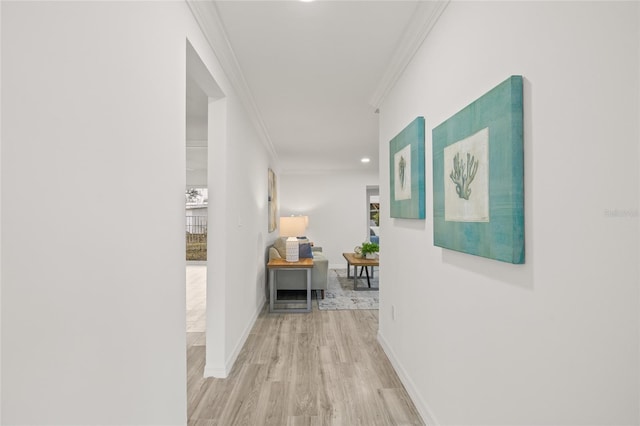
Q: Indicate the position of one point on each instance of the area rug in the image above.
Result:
(341, 295)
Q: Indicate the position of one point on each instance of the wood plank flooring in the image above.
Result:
(321, 368)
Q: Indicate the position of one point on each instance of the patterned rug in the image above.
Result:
(341, 295)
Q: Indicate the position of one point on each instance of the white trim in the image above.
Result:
(216, 372)
(421, 405)
(245, 335)
(222, 372)
(424, 19)
(207, 16)
(216, 327)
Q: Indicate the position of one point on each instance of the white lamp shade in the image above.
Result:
(292, 226)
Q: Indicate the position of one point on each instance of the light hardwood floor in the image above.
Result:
(321, 368)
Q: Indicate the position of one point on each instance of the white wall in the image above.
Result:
(554, 341)
(246, 230)
(336, 204)
(196, 177)
(0, 211)
(93, 304)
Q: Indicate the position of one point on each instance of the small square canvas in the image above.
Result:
(406, 172)
(478, 178)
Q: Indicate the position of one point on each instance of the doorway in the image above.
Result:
(206, 168)
(373, 214)
(196, 215)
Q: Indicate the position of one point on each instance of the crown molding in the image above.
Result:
(424, 19)
(208, 18)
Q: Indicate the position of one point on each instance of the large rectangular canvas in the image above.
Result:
(406, 171)
(478, 176)
(272, 201)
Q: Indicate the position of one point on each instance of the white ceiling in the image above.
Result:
(312, 74)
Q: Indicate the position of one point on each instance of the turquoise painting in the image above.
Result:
(406, 172)
(478, 176)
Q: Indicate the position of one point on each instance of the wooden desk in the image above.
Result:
(276, 264)
(360, 261)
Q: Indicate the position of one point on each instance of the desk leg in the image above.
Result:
(355, 277)
(369, 277)
(348, 269)
(308, 289)
(271, 280)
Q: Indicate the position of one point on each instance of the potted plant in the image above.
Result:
(370, 249)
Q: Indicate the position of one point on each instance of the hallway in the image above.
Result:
(323, 368)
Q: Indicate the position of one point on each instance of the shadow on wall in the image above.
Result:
(261, 276)
(416, 224)
(516, 275)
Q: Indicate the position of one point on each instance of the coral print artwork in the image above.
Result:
(466, 192)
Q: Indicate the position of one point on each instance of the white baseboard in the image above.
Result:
(245, 335)
(221, 372)
(421, 405)
(218, 373)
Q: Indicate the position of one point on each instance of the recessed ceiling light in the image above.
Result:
(365, 160)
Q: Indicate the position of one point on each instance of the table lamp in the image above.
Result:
(292, 227)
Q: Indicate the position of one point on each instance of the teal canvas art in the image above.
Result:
(406, 172)
(478, 176)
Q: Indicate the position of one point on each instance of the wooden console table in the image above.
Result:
(276, 264)
(354, 261)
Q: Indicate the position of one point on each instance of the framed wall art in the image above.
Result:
(478, 176)
(272, 201)
(406, 172)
